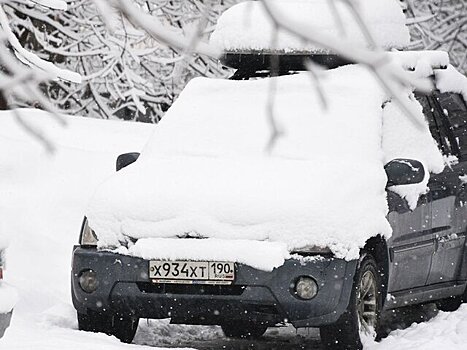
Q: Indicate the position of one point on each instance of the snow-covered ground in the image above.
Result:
(42, 200)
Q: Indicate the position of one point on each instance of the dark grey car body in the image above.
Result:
(424, 260)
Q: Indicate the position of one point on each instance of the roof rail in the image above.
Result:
(258, 60)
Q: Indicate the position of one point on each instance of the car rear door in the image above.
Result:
(448, 190)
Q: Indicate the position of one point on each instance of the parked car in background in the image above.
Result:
(7, 298)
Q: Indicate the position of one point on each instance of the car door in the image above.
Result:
(412, 243)
(448, 190)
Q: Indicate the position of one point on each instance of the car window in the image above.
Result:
(454, 110)
(428, 111)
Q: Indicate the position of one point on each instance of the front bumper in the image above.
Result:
(259, 296)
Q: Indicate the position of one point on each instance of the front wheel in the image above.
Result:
(243, 329)
(122, 327)
(362, 315)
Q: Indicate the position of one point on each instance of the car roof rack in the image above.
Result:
(260, 63)
(269, 63)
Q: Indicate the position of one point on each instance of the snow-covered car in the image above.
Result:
(350, 212)
(259, 202)
(7, 298)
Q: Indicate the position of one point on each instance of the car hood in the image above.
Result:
(295, 202)
(214, 166)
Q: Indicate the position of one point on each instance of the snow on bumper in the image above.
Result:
(261, 296)
(262, 255)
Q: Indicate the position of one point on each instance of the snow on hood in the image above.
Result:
(246, 26)
(205, 171)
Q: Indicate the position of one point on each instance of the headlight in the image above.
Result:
(88, 236)
(312, 250)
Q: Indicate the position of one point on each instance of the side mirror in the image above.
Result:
(126, 159)
(404, 172)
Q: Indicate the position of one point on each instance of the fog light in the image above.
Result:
(88, 281)
(306, 288)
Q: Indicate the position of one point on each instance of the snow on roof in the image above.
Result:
(422, 61)
(247, 27)
(451, 80)
(205, 170)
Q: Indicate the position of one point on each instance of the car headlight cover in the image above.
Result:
(88, 236)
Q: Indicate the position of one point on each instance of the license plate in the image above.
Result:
(192, 272)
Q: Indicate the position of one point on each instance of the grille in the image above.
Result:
(189, 289)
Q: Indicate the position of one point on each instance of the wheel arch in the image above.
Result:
(462, 274)
(378, 248)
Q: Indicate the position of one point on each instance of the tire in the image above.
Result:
(239, 329)
(363, 312)
(449, 304)
(122, 327)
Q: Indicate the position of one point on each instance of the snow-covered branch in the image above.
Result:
(127, 71)
(440, 25)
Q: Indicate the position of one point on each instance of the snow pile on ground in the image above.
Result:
(42, 203)
(247, 26)
(445, 331)
(4, 241)
(205, 171)
(8, 297)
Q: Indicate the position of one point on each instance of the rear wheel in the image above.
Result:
(238, 329)
(122, 327)
(449, 304)
(452, 303)
(362, 315)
